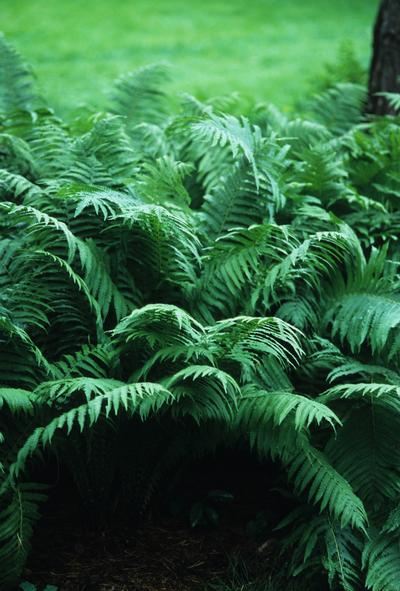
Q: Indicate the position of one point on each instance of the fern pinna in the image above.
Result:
(177, 279)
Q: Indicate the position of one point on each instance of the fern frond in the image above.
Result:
(246, 340)
(163, 181)
(245, 196)
(392, 524)
(17, 89)
(203, 392)
(306, 263)
(17, 518)
(140, 398)
(139, 96)
(342, 561)
(95, 361)
(323, 173)
(376, 325)
(339, 107)
(17, 187)
(229, 130)
(262, 406)
(163, 245)
(20, 336)
(360, 390)
(310, 470)
(51, 148)
(103, 200)
(370, 286)
(302, 134)
(231, 265)
(393, 99)
(365, 452)
(315, 541)
(381, 559)
(110, 144)
(16, 399)
(159, 324)
(353, 367)
(39, 221)
(64, 391)
(16, 156)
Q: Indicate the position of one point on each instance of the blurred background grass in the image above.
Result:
(267, 49)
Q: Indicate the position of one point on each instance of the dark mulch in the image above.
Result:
(153, 558)
(164, 553)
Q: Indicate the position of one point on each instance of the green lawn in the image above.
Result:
(269, 49)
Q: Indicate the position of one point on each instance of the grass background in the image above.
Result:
(267, 49)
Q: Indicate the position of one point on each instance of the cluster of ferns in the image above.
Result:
(177, 277)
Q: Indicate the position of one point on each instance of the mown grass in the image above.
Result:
(268, 49)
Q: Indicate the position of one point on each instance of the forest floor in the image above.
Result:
(163, 553)
(153, 558)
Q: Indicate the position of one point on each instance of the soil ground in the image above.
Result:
(163, 557)
(163, 553)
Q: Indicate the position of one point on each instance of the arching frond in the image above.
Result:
(381, 559)
(372, 287)
(312, 473)
(227, 129)
(315, 541)
(159, 324)
(204, 393)
(339, 107)
(140, 96)
(163, 181)
(17, 91)
(109, 143)
(16, 187)
(16, 157)
(365, 453)
(163, 244)
(17, 518)
(16, 399)
(140, 398)
(262, 406)
(246, 340)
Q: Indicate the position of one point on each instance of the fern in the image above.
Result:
(366, 289)
(172, 282)
(339, 107)
(139, 97)
(17, 90)
(16, 399)
(277, 406)
(141, 398)
(226, 129)
(381, 559)
(327, 487)
(317, 541)
(17, 520)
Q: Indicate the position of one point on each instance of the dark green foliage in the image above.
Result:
(173, 281)
(16, 523)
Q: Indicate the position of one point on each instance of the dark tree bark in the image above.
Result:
(384, 75)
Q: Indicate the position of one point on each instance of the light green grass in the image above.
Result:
(268, 49)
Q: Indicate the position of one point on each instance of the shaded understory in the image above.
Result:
(163, 552)
(154, 558)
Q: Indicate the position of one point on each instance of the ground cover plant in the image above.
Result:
(173, 281)
(265, 49)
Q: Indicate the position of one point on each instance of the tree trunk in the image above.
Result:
(384, 75)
